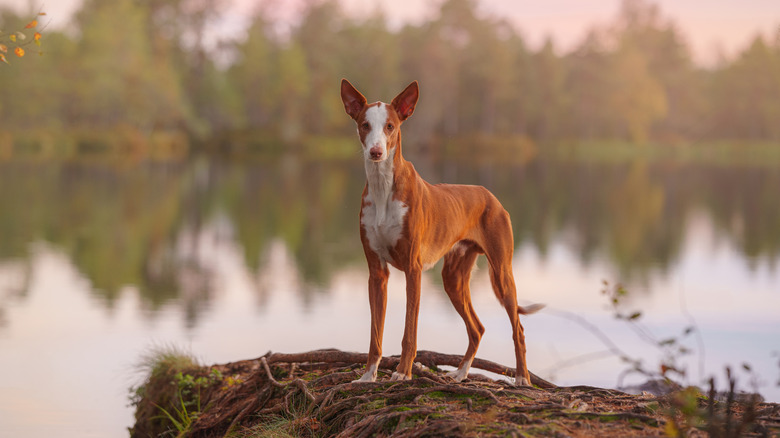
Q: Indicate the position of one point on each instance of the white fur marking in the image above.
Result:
(461, 373)
(376, 116)
(382, 216)
(369, 375)
(459, 248)
(398, 376)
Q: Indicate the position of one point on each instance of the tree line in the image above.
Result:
(150, 67)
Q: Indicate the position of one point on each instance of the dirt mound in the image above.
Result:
(313, 394)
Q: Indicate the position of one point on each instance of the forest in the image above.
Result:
(144, 75)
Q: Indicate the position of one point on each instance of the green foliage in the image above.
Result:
(150, 66)
(173, 387)
(689, 409)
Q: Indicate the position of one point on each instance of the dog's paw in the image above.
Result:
(398, 376)
(522, 381)
(458, 375)
(368, 376)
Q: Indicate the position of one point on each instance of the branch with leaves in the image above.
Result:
(15, 41)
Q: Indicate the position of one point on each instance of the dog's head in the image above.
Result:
(379, 123)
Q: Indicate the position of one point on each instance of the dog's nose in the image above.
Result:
(375, 153)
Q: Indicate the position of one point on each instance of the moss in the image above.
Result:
(412, 421)
(518, 396)
(373, 405)
(540, 431)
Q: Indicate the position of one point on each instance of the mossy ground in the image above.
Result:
(318, 399)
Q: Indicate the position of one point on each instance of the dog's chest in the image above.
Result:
(383, 222)
(382, 217)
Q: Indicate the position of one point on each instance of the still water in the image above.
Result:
(100, 262)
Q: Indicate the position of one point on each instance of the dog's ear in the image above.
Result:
(353, 100)
(405, 101)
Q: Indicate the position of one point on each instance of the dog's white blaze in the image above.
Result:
(376, 116)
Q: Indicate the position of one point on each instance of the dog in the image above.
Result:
(410, 224)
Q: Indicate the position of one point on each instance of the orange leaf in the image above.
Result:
(19, 52)
(3, 48)
(31, 24)
(2, 58)
(41, 13)
(37, 36)
(12, 37)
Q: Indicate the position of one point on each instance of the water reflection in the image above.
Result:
(144, 227)
(235, 259)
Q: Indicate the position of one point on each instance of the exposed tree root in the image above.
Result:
(300, 396)
(430, 359)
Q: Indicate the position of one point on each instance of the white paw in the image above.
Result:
(459, 374)
(369, 375)
(398, 376)
(522, 381)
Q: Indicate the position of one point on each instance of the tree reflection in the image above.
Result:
(155, 227)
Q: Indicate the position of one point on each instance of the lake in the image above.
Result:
(101, 261)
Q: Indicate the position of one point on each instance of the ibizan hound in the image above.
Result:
(410, 224)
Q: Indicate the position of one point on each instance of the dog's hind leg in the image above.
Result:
(498, 250)
(456, 274)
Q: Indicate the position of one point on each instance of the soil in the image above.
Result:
(313, 394)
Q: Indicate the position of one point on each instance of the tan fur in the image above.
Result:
(456, 222)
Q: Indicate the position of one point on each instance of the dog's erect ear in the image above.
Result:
(404, 103)
(353, 100)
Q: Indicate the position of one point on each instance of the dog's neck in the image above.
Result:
(380, 177)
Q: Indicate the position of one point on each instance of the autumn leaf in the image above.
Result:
(12, 37)
(37, 37)
(31, 24)
(3, 48)
(41, 13)
(2, 58)
(19, 52)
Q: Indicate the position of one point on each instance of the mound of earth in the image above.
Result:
(313, 394)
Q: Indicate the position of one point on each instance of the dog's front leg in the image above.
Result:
(377, 298)
(409, 342)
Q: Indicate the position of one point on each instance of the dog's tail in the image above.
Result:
(531, 308)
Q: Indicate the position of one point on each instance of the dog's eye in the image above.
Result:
(365, 125)
(390, 126)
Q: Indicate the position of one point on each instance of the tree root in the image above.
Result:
(430, 359)
(330, 403)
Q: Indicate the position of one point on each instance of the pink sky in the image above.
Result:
(707, 24)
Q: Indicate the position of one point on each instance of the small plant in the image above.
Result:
(685, 408)
(188, 391)
(671, 349)
(15, 41)
(173, 386)
(690, 409)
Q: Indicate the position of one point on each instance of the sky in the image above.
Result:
(710, 26)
